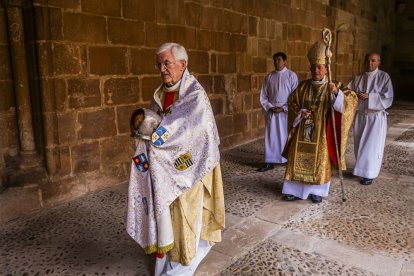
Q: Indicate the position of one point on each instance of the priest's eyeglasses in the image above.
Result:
(166, 64)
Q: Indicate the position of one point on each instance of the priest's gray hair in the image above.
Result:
(178, 51)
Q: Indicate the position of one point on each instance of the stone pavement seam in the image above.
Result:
(357, 257)
(407, 269)
(379, 264)
(280, 211)
(237, 240)
(295, 240)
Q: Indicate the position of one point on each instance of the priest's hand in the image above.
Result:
(306, 114)
(363, 96)
(277, 109)
(333, 89)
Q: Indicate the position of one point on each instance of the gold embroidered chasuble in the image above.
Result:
(306, 147)
(185, 212)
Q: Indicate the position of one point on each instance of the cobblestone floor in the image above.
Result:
(270, 258)
(370, 234)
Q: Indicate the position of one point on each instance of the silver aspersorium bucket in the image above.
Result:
(143, 123)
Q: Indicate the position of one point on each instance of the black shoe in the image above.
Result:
(266, 167)
(316, 198)
(366, 181)
(290, 198)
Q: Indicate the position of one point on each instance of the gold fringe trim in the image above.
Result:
(154, 248)
(166, 248)
(151, 249)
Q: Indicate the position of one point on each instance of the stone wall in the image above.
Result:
(95, 66)
(403, 76)
(9, 138)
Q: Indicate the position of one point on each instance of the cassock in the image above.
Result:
(276, 88)
(175, 197)
(309, 167)
(370, 127)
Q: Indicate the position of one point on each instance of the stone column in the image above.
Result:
(2, 164)
(14, 10)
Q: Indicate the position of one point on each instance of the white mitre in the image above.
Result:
(316, 53)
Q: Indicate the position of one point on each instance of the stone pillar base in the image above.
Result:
(2, 187)
(29, 159)
(23, 171)
(18, 201)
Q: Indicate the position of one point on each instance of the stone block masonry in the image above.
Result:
(95, 60)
